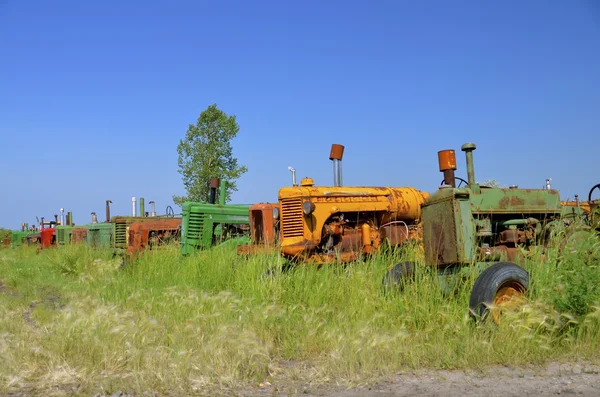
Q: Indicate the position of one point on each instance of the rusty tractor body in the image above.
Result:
(322, 224)
(79, 234)
(152, 235)
(121, 227)
(264, 229)
(485, 227)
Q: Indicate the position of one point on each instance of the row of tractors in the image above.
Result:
(461, 226)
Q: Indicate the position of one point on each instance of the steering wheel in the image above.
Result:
(456, 178)
(592, 190)
(170, 212)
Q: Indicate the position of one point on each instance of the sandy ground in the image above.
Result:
(555, 379)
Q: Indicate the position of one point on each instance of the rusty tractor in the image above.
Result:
(151, 235)
(485, 227)
(324, 224)
(264, 229)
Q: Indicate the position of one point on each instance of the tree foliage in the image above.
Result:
(206, 152)
(492, 183)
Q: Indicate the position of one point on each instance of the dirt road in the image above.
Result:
(553, 380)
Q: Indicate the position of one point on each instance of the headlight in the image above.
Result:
(308, 207)
(275, 213)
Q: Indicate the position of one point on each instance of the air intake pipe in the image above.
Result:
(142, 209)
(335, 155)
(62, 216)
(214, 185)
(468, 148)
(133, 209)
(153, 213)
(447, 163)
(69, 218)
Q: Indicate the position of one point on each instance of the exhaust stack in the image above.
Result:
(62, 216)
(335, 155)
(108, 203)
(447, 163)
(153, 213)
(69, 218)
(548, 183)
(214, 185)
(55, 219)
(133, 209)
(468, 148)
(42, 223)
(223, 192)
(293, 171)
(142, 206)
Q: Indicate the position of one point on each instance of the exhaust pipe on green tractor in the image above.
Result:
(214, 184)
(223, 192)
(108, 203)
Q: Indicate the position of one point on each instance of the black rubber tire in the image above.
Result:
(490, 281)
(397, 275)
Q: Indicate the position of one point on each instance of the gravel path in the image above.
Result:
(552, 380)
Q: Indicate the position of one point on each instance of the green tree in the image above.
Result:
(206, 153)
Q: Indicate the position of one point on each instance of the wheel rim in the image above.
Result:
(507, 299)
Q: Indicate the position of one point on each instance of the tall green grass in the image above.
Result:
(72, 319)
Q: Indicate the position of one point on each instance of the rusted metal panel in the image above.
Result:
(153, 234)
(79, 235)
(264, 229)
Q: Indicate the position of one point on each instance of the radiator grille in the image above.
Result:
(292, 223)
(121, 234)
(195, 225)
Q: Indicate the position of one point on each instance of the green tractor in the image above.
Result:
(64, 231)
(491, 229)
(18, 237)
(207, 224)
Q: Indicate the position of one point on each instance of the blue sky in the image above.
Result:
(95, 95)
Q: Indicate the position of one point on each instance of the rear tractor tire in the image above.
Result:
(399, 274)
(498, 289)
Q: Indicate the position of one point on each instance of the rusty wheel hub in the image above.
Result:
(508, 298)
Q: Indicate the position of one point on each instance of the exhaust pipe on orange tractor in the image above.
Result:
(335, 155)
(133, 208)
(293, 171)
(153, 213)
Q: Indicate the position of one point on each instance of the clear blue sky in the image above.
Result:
(95, 95)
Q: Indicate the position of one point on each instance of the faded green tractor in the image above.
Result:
(207, 224)
(64, 232)
(18, 237)
(482, 227)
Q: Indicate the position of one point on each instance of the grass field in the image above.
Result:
(72, 321)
